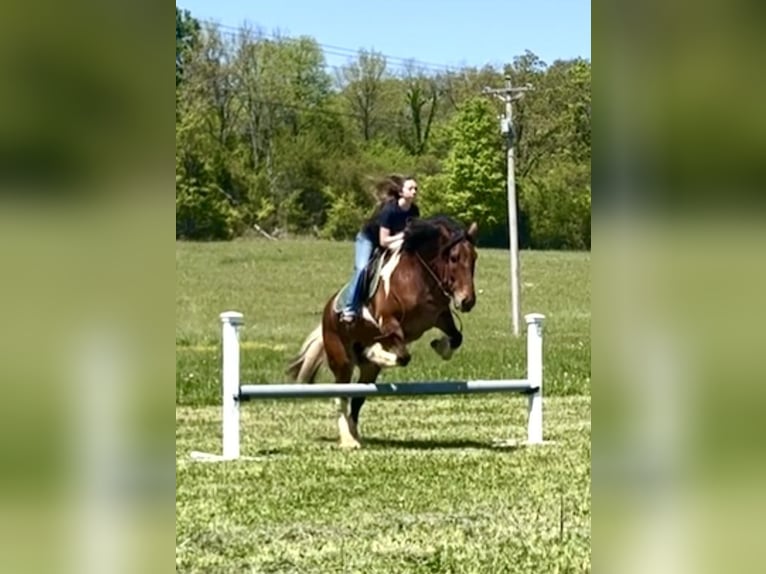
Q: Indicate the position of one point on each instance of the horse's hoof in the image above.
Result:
(442, 348)
(350, 444)
(403, 361)
(354, 431)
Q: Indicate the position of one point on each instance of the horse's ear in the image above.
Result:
(472, 232)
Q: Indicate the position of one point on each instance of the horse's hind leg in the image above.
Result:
(347, 432)
(368, 372)
(342, 367)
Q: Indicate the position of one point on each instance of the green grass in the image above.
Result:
(431, 491)
(281, 288)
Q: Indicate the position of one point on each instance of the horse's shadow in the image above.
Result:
(430, 444)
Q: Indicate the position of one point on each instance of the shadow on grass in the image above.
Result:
(271, 451)
(267, 453)
(429, 444)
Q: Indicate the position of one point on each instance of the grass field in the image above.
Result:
(431, 491)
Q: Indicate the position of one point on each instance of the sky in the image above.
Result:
(439, 33)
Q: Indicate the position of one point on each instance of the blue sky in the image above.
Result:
(449, 33)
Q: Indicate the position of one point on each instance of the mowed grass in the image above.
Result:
(432, 490)
(281, 287)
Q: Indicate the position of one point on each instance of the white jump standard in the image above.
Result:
(234, 393)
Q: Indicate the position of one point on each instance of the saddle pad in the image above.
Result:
(372, 280)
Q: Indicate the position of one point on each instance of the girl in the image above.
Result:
(384, 229)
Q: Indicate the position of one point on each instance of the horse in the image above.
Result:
(432, 268)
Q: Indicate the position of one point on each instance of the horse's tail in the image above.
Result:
(311, 356)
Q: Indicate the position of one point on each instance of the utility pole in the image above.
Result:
(508, 94)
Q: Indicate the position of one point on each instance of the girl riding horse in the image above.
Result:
(434, 271)
(383, 230)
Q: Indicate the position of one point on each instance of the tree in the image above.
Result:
(361, 83)
(263, 136)
(287, 134)
(421, 102)
(187, 33)
(553, 153)
(476, 167)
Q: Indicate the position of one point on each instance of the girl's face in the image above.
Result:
(409, 189)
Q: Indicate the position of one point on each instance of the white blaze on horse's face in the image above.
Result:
(461, 263)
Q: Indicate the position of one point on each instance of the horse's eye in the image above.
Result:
(453, 258)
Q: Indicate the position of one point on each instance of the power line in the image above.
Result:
(399, 121)
(329, 112)
(234, 32)
(403, 63)
(340, 50)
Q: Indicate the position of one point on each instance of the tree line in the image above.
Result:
(270, 137)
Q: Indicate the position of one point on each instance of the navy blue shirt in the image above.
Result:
(393, 217)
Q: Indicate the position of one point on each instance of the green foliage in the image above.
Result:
(202, 210)
(559, 204)
(433, 195)
(578, 111)
(344, 217)
(476, 167)
(378, 159)
(363, 87)
(266, 137)
(187, 31)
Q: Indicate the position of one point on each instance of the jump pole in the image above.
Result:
(231, 322)
(233, 394)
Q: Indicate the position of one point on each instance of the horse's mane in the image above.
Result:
(419, 232)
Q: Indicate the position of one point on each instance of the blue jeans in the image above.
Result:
(362, 251)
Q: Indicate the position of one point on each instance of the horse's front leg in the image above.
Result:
(452, 339)
(391, 349)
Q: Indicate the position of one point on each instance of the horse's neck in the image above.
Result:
(422, 266)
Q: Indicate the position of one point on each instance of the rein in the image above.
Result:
(454, 241)
(440, 283)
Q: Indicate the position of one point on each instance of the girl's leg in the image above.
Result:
(362, 250)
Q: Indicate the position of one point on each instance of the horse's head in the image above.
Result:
(459, 259)
(450, 253)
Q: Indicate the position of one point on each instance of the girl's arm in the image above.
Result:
(386, 239)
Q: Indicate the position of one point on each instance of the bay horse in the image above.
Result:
(432, 268)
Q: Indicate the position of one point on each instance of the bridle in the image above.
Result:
(440, 283)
